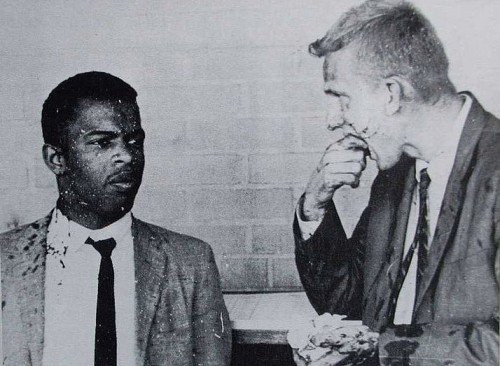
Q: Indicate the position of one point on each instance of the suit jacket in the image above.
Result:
(181, 318)
(456, 312)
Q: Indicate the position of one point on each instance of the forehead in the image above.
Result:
(106, 116)
(340, 65)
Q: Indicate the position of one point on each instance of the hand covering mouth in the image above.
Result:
(354, 142)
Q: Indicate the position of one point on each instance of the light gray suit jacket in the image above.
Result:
(181, 318)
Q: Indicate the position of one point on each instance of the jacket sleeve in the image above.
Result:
(331, 266)
(211, 325)
(440, 344)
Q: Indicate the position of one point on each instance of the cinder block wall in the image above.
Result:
(231, 102)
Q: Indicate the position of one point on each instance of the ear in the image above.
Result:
(54, 159)
(394, 87)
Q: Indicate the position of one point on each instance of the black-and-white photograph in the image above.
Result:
(250, 183)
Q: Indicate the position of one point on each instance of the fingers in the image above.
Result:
(339, 167)
(335, 180)
(342, 164)
(347, 142)
(353, 142)
(299, 361)
(344, 159)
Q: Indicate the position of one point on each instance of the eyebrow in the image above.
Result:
(137, 131)
(99, 132)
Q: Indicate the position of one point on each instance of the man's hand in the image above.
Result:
(341, 164)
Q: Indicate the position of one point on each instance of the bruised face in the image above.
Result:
(357, 105)
(104, 158)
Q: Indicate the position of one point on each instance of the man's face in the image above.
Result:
(357, 104)
(104, 157)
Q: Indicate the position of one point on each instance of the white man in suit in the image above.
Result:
(421, 267)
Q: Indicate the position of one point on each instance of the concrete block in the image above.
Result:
(161, 206)
(314, 133)
(286, 97)
(42, 176)
(305, 65)
(196, 169)
(265, 28)
(12, 101)
(273, 239)
(243, 274)
(285, 275)
(164, 134)
(282, 168)
(241, 134)
(224, 239)
(199, 100)
(13, 171)
(240, 63)
(163, 65)
(17, 143)
(241, 204)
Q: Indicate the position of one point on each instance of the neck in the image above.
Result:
(430, 126)
(80, 213)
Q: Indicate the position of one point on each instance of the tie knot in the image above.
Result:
(104, 247)
(425, 180)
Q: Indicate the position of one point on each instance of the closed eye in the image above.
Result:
(332, 93)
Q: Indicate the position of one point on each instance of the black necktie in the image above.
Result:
(105, 326)
(420, 241)
(422, 228)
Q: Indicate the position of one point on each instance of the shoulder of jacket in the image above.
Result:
(181, 245)
(11, 236)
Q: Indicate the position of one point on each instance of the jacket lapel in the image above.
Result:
(394, 208)
(453, 198)
(30, 272)
(149, 268)
(401, 224)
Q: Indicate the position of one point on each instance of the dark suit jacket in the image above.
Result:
(181, 318)
(457, 309)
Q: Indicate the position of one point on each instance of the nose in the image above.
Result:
(122, 154)
(334, 118)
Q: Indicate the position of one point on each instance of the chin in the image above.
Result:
(384, 164)
(386, 160)
(112, 216)
(116, 210)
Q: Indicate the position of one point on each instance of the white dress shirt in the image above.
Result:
(72, 270)
(439, 170)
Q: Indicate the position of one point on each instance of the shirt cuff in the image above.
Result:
(307, 228)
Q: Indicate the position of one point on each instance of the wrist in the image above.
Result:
(311, 210)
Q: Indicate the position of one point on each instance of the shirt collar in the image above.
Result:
(64, 234)
(440, 166)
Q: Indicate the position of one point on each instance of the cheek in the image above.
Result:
(365, 125)
(139, 157)
(89, 169)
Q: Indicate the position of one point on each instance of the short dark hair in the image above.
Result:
(63, 102)
(393, 38)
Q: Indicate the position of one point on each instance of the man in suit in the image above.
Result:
(421, 266)
(90, 283)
